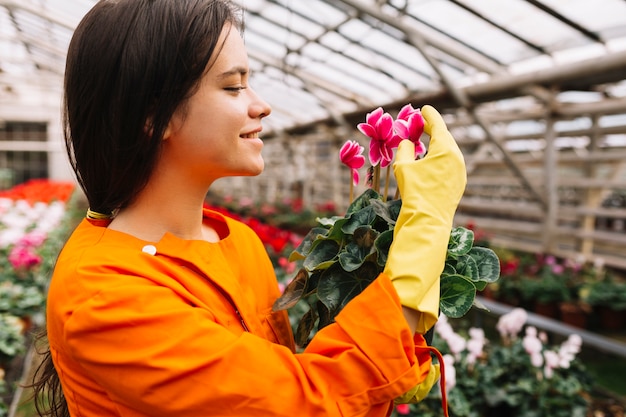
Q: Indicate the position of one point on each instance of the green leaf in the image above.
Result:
(305, 327)
(461, 241)
(467, 267)
(352, 258)
(337, 287)
(324, 314)
(363, 217)
(364, 236)
(304, 248)
(336, 233)
(394, 209)
(448, 268)
(362, 201)
(382, 245)
(293, 292)
(457, 296)
(488, 264)
(382, 210)
(323, 251)
(328, 222)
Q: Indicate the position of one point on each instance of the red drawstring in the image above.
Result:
(442, 382)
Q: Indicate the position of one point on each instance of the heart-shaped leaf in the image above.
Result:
(461, 241)
(364, 237)
(382, 245)
(305, 246)
(362, 201)
(305, 327)
(394, 209)
(382, 210)
(323, 251)
(363, 217)
(487, 262)
(293, 292)
(337, 287)
(457, 296)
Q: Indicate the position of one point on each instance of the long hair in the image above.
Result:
(131, 64)
(47, 394)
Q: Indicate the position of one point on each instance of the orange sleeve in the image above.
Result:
(123, 339)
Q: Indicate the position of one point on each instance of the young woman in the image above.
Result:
(158, 307)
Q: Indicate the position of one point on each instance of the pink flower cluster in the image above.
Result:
(23, 254)
(533, 343)
(509, 325)
(385, 135)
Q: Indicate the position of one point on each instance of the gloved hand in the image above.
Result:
(421, 390)
(431, 189)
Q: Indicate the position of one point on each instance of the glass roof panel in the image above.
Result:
(607, 19)
(314, 58)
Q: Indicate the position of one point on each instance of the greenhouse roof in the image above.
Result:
(325, 60)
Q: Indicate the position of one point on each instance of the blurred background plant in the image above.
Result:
(518, 374)
(33, 228)
(500, 376)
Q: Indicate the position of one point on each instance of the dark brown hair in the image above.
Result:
(130, 65)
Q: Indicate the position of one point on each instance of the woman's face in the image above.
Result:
(217, 133)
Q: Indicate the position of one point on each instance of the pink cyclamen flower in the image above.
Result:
(351, 155)
(410, 125)
(378, 127)
(403, 409)
(24, 257)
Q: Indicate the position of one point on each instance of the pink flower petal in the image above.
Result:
(406, 111)
(367, 129)
(355, 177)
(373, 117)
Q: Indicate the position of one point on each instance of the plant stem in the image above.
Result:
(387, 175)
(376, 185)
(351, 188)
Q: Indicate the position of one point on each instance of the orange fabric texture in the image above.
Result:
(185, 328)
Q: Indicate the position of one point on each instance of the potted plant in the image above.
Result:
(607, 296)
(545, 291)
(344, 254)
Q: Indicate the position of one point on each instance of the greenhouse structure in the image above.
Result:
(533, 91)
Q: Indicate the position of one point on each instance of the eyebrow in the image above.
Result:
(234, 71)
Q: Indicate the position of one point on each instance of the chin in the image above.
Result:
(253, 171)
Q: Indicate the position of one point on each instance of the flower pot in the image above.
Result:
(574, 315)
(611, 319)
(548, 309)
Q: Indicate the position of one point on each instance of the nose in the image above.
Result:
(259, 107)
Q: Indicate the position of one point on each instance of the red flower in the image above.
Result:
(403, 409)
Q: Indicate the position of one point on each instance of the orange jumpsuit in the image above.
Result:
(185, 328)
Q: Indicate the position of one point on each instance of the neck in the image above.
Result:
(159, 210)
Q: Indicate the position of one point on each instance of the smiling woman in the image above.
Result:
(161, 307)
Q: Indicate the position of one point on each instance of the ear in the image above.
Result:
(148, 129)
(168, 131)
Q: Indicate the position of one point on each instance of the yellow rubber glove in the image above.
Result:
(431, 189)
(420, 391)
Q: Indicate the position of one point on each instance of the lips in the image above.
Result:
(253, 135)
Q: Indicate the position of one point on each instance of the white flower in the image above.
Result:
(510, 324)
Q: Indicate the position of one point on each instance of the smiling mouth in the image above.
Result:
(251, 135)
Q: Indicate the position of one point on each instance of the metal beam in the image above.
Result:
(462, 99)
(464, 54)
